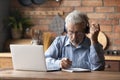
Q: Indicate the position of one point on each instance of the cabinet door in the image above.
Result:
(5, 62)
(112, 66)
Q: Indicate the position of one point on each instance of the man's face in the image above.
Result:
(75, 33)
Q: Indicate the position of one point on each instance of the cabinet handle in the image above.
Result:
(107, 66)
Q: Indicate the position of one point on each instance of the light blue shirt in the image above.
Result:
(84, 56)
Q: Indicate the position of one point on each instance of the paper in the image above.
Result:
(76, 70)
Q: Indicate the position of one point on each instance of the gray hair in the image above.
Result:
(76, 17)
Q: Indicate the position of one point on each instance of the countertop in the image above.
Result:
(7, 54)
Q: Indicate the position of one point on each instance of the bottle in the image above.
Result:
(36, 37)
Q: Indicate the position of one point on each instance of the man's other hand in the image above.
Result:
(65, 63)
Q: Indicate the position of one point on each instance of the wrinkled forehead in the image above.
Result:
(77, 26)
(75, 22)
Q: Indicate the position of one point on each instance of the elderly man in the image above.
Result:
(76, 50)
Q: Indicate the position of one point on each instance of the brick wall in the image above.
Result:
(104, 12)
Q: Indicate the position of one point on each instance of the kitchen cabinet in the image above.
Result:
(5, 60)
(112, 65)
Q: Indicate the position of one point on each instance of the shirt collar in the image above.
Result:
(67, 42)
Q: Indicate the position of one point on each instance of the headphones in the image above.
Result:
(87, 29)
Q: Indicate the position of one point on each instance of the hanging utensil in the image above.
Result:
(57, 25)
(38, 1)
(25, 2)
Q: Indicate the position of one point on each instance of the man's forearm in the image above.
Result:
(96, 57)
(51, 62)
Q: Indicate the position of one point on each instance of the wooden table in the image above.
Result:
(58, 75)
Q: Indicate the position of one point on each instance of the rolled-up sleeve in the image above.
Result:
(51, 54)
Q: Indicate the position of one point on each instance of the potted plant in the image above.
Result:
(18, 24)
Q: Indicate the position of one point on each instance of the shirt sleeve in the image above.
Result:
(96, 58)
(51, 54)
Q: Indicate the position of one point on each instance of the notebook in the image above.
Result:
(29, 57)
(76, 70)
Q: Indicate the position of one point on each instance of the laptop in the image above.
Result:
(29, 57)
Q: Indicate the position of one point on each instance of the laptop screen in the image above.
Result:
(28, 57)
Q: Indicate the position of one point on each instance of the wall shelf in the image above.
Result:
(43, 13)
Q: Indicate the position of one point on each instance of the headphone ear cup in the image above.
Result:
(87, 30)
(65, 30)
